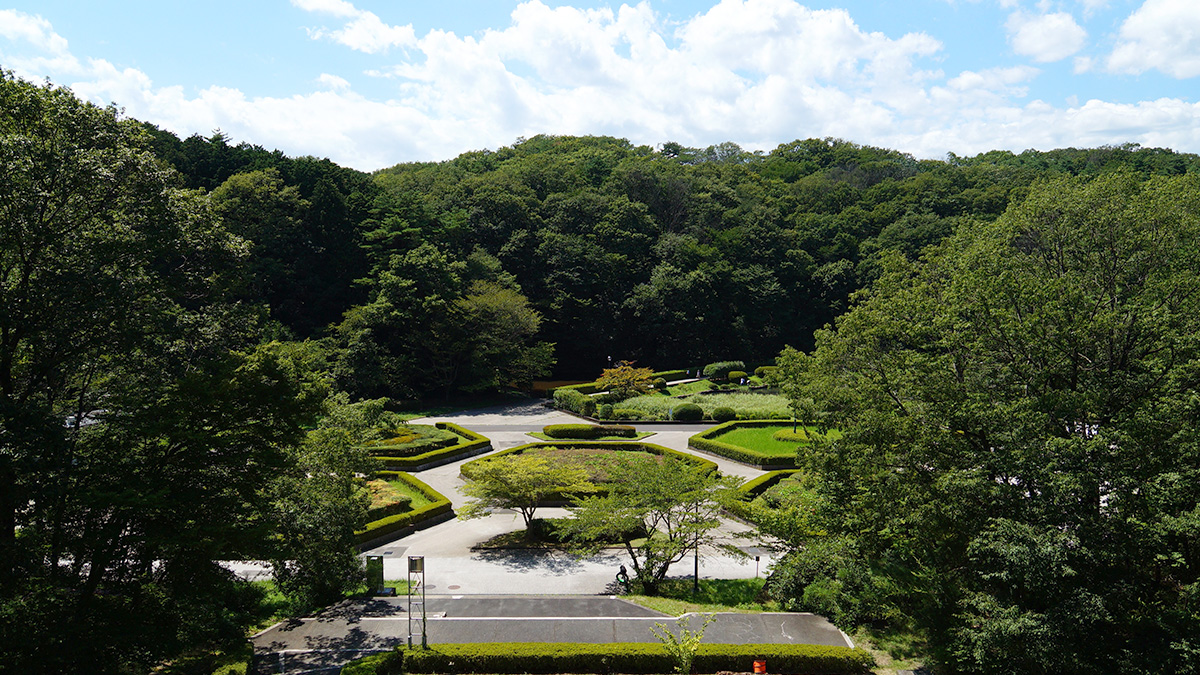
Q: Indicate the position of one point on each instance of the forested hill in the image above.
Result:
(668, 256)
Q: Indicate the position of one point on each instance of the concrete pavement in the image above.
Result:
(355, 628)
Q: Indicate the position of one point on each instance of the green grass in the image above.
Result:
(690, 388)
(716, 595)
(418, 499)
(747, 406)
(759, 439)
(596, 461)
(640, 435)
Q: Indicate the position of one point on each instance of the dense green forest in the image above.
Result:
(194, 334)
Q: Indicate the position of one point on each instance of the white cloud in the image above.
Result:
(1045, 37)
(38, 33)
(333, 81)
(756, 72)
(364, 31)
(1161, 35)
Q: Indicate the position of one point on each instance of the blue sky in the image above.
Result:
(371, 83)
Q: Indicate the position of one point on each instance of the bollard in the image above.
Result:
(760, 667)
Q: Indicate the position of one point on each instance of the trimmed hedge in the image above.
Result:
(585, 388)
(572, 400)
(669, 375)
(708, 466)
(424, 442)
(688, 412)
(474, 442)
(764, 372)
(588, 431)
(704, 441)
(438, 505)
(616, 657)
(719, 370)
(753, 488)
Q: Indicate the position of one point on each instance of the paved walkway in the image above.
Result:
(451, 565)
(355, 628)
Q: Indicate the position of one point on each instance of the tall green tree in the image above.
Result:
(659, 510)
(1020, 448)
(139, 423)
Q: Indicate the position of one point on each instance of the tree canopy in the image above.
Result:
(1020, 451)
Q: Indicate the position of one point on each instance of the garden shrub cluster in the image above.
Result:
(720, 370)
(438, 505)
(574, 401)
(765, 372)
(705, 441)
(588, 431)
(617, 657)
(469, 442)
(415, 439)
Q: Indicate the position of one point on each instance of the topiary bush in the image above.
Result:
(659, 384)
(736, 375)
(765, 372)
(604, 411)
(588, 431)
(724, 414)
(687, 412)
(626, 414)
(719, 370)
(789, 436)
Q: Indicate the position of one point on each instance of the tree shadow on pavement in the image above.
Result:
(544, 562)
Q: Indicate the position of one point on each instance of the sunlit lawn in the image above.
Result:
(759, 439)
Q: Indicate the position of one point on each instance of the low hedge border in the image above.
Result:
(474, 445)
(588, 431)
(617, 657)
(704, 441)
(707, 466)
(438, 505)
(753, 488)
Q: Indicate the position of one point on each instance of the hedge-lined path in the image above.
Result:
(451, 565)
(355, 628)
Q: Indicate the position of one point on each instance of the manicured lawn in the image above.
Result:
(716, 595)
(597, 462)
(690, 388)
(760, 439)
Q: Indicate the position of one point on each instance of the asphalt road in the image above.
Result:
(352, 629)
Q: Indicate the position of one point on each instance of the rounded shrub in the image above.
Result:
(736, 374)
(589, 408)
(789, 436)
(765, 372)
(719, 370)
(604, 411)
(626, 414)
(724, 414)
(688, 412)
(660, 383)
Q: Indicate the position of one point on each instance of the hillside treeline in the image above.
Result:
(670, 256)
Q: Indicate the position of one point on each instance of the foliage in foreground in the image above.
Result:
(1021, 466)
(617, 657)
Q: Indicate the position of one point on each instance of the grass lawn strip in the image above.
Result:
(759, 439)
